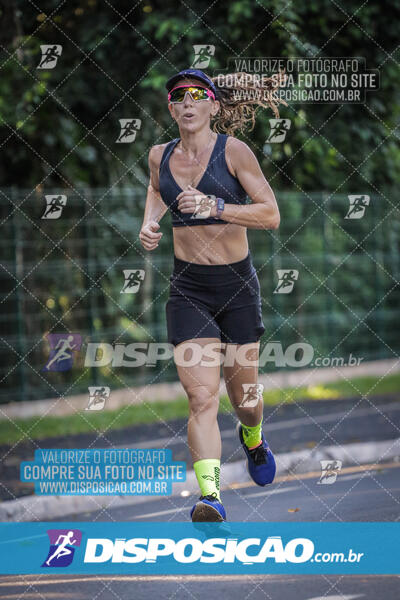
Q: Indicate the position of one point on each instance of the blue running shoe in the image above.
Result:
(260, 461)
(209, 508)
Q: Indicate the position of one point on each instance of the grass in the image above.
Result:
(91, 422)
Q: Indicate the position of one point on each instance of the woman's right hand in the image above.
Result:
(148, 235)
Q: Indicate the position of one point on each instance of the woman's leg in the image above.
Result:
(201, 384)
(237, 374)
(249, 409)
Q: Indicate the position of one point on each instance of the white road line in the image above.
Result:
(338, 597)
(355, 476)
(273, 492)
(169, 441)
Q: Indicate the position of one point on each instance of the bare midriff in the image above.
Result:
(211, 244)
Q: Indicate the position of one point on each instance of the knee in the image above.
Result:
(202, 399)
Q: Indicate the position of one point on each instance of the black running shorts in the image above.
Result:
(214, 301)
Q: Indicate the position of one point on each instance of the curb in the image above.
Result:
(41, 508)
(165, 392)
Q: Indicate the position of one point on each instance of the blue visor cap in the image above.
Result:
(191, 74)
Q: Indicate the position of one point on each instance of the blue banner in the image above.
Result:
(195, 548)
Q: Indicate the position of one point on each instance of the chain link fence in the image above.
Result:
(66, 274)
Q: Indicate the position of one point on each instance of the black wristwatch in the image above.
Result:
(220, 207)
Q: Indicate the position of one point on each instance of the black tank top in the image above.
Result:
(217, 180)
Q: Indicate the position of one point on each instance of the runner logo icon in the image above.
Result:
(50, 55)
(357, 207)
(287, 278)
(62, 547)
(54, 206)
(279, 129)
(202, 55)
(129, 128)
(62, 345)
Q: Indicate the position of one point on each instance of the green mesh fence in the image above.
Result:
(66, 275)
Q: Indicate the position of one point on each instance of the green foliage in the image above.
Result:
(115, 61)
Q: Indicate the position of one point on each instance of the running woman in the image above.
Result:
(204, 177)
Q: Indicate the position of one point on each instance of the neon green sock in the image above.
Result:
(252, 435)
(207, 472)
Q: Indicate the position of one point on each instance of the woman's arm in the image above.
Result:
(263, 213)
(155, 208)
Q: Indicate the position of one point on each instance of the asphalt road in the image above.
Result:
(355, 496)
(288, 428)
(201, 587)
